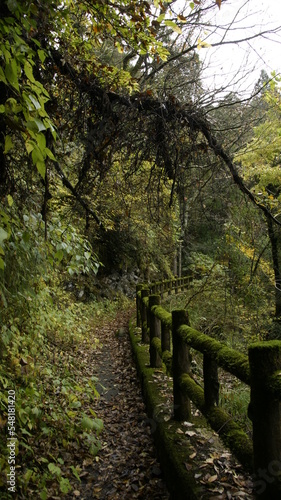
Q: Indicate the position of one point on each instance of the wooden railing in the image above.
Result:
(260, 369)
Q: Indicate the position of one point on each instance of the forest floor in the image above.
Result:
(126, 466)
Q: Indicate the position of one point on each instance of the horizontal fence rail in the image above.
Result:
(260, 370)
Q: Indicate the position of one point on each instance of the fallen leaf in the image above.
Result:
(212, 478)
(179, 431)
(190, 433)
(188, 424)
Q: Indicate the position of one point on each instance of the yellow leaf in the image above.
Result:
(202, 45)
(10, 200)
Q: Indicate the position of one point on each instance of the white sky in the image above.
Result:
(222, 63)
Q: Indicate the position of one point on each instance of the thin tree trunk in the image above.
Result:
(273, 237)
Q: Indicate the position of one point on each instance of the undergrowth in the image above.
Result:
(46, 361)
(48, 428)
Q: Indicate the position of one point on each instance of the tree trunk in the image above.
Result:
(273, 237)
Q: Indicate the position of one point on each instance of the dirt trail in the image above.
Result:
(126, 467)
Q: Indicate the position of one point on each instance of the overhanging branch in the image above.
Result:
(169, 110)
(71, 188)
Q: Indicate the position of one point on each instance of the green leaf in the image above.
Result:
(2, 264)
(2, 76)
(64, 485)
(41, 167)
(37, 155)
(34, 101)
(98, 425)
(28, 71)
(35, 125)
(92, 424)
(75, 472)
(54, 469)
(72, 414)
(50, 154)
(59, 255)
(11, 72)
(3, 235)
(41, 141)
(94, 449)
(10, 200)
(40, 125)
(27, 475)
(31, 125)
(12, 5)
(8, 144)
(26, 236)
(42, 55)
(30, 145)
(2, 108)
(160, 18)
(173, 25)
(12, 106)
(87, 423)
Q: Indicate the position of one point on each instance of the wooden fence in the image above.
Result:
(260, 369)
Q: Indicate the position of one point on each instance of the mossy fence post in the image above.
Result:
(138, 305)
(181, 364)
(144, 315)
(155, 332)
(265, 412)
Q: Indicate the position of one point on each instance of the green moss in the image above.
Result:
(271, 344)
(229, 359)
(232, 435)
(145, 301)
(156, 343)
(193, 390)
(164, 316)
(265, 360)
(230, 432)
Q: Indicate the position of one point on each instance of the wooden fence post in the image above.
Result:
(181, 364)
(265, 412)
(176, 284)
(155, 332)
(211, 381)
(144, 316)
(138, 305)
(165, 338)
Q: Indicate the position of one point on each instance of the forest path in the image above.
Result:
(126, 466)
